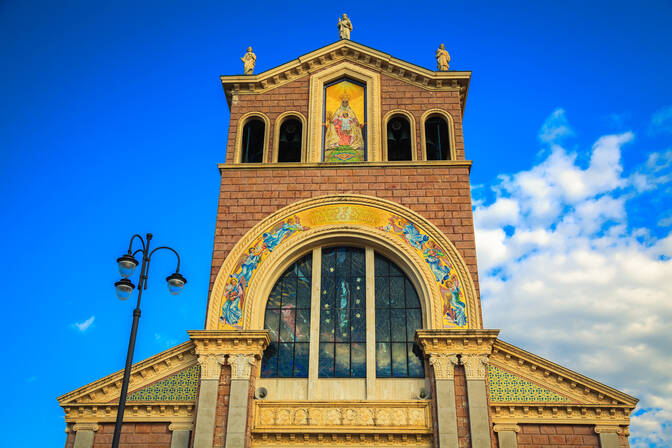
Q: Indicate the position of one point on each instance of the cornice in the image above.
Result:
(234, 85)
(456, 341)
(556, 377)
(228, 342)
(89, 413)
(355, 165)
(516, 413)
(143, 373)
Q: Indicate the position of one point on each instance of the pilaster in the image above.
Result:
(608, 435)
(443, 365)
(180, 434)
(84, 434)
(507, 435)
(236, 425)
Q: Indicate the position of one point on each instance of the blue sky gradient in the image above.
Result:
(114, 119)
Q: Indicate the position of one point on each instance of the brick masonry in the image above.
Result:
(531, 435)
(134, 435)
(462, 405)
(222, 410)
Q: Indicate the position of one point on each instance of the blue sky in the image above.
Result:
(113, 120)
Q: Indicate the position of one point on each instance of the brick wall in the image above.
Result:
(439, 193)
(557, 435)
(462, 405)
(221, 413)
(395, 94)
(134, 435)
(70, 439)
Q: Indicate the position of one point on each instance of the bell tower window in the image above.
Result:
(399, 146)
(252, 150)
(437, 140)
(289, 142)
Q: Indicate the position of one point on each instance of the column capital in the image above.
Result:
(88, 426)
(444, 365)
(227, 342)
(506, 427)
(607, 429)
(456, 341)
(475, 366)
(241, 366)
(211, 366)
(181, 426)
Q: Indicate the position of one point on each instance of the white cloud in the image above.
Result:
(555, 128)
(569, 280)
(83, 326)
(661, 121)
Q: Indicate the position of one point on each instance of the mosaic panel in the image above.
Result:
(509, 388)
(182, 386)
(450, 287)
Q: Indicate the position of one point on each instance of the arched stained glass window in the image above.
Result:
(343, 313)
(288, 320)
(398, 315)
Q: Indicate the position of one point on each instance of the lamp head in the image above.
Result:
(175, 283)
(124, 288)
(127, 264)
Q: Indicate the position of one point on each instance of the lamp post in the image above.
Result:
(124, 288)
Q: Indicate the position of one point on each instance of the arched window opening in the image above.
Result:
(288, 321)
(253, 141)
(398, 315)
(289, 143)
(399, 139)
(344, 304)
(437, 139)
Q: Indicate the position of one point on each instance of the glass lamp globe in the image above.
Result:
(127, 265)
(124, 288)
(175, 283)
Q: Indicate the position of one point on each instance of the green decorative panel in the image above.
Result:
(181, 386)
(506, 387)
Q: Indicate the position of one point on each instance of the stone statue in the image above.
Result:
(249, 60)
(442, 58)
(344, 27)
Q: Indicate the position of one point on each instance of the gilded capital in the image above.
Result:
(444, 365)
(89, 426)
(181, 426)
(605, 429)
(475, 366)
(211, 366)
(241, 366)
(506, 428)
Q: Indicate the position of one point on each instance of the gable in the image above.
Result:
(181, 386)
(506, 387)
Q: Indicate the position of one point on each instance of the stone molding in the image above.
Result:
(560, 414)
(604, 429)
(211, 366)
(228, 342)
(176, 412)
(347, 50)
(181, 426)
(241, 366)
(456, 341)
(504, 428)
(351, 165)
(475, 366)
(444, 365)
(85, 427)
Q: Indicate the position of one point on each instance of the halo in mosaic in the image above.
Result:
(181, 386)
(509, 388)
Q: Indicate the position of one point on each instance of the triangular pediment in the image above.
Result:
(353, 52)
(517, 376)
(174, 365)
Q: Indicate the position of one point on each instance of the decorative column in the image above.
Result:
(472, 346)
(507, 435)
(236, 426)
(446, 413)
(211, 366)
(240, 349)
(180, 437)
(475, 367)
(608, 436)
(85, 433)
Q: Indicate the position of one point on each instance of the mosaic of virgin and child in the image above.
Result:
(344, 137)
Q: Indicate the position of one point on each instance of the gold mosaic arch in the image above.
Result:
(441, 275)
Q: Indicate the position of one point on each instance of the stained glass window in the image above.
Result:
(343, 313)
(398, 315)
(288, 320)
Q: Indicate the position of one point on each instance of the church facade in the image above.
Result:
(344, 305)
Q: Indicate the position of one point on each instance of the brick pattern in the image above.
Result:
(532, 435)
(250, 407)
(394, 94)
(222, 411)
(134, 435)
(70, 439)
(441, 194)
(462, 405)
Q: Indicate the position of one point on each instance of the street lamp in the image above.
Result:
(124, 288)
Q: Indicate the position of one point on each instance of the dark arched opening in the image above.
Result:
(253, 141)
(437, 139)
(399, 139)
(289, 143)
